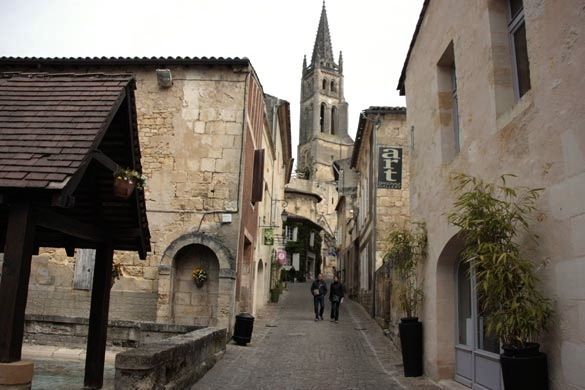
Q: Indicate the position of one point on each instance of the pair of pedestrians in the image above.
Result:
(319, 291)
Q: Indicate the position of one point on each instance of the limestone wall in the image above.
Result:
(191, 143)
(392, 205)
(539, 138)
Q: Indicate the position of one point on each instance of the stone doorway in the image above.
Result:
(192, 305)
(259, 299)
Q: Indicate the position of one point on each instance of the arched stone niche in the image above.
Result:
(181, 255)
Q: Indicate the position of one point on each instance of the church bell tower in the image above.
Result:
(323, 113)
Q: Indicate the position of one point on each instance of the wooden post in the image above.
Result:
(98, 317)
(15, 275)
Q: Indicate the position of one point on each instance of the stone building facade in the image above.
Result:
(496, 87)
(277, 173)
(201, 123)
(346, 232)
(380, 159)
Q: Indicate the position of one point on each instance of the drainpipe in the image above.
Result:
(377, 124)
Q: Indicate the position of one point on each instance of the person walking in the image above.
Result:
(336, 294)
(319, 291)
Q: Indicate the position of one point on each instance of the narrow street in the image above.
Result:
(289, 350)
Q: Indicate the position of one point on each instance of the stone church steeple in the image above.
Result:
(323, 134)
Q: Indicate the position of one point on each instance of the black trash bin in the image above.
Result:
(243, 328)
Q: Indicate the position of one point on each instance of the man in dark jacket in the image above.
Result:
(319, 290)
(336, 297)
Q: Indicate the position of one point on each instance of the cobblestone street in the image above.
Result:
(289, 350)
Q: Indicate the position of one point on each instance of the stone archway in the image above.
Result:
(445, 306)
(226, 278)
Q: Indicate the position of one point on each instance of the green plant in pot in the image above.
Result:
(493, 219)
(406, 251)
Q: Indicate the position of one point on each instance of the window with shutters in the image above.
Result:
(258, 176)
(84, 265)
(291, 233)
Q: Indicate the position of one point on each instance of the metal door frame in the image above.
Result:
(473, 349)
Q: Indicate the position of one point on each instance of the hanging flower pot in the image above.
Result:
(199, 276)
(125, 181)
(123, 188)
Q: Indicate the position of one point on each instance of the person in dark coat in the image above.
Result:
(319, 291)
(336, 294)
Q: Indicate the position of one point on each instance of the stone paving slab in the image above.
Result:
(36, 352)
(289, 350)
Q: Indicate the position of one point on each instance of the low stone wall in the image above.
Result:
(174, 363)
(365, 298)
(387, 304)
(72, 331)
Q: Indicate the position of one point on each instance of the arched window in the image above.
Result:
(324, 84)
(333, 120)
(322, 118)
(333, 86)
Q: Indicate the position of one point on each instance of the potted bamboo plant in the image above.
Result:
(493, 219)
(125, 180)
(406, 250)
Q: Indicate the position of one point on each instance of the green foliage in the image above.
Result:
(406, 250)
(301, 246)
(492, 216)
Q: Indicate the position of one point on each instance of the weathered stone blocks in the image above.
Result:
(175, 363)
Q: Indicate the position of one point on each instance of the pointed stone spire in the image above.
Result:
(322, 51)
(340, 62)
(304, 65)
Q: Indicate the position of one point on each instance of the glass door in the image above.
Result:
(477, 361)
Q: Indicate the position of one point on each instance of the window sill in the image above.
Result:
(519, 109)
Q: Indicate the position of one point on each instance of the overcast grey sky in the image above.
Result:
(373, 34)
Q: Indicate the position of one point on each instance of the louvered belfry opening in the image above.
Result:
(62, 137)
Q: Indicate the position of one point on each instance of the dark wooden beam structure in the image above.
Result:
(98, 317)
(64, 199)
(15, 275)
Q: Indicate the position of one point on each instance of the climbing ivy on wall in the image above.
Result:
(301, 245)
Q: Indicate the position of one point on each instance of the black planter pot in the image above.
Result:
(524, 368)
(411, 342)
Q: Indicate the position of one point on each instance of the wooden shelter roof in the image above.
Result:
(61, 138)
(49, 125)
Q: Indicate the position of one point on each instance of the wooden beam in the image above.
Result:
(98, 317)
(15, 276)
(54, 221)
(135, 150)
(107, 162)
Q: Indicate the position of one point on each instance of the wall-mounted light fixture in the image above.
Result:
(164, 78)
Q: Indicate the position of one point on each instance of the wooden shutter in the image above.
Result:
(258, 179)
(84, 264)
